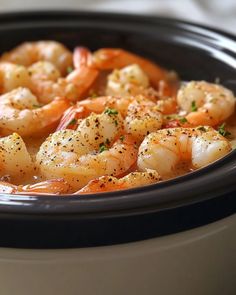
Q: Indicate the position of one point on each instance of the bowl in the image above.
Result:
(194, 203)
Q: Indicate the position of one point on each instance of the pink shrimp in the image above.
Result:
(141, 116)
(53, 186)
(206, 103)
(110, 183)
(112, 58)
(29, 53)
(84, 75)
(115, 58)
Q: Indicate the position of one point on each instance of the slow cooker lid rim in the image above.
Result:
(151, 19)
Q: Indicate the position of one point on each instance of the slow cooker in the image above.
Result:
(175, 237)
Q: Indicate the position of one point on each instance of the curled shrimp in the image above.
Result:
(21, 112)
(141, 116)
(206, 103)
(90, 151)
(14, 157)
(47, 82)
(112, 58)
(44, 80)
(129, 77)
(130, 80)
(133, 81)
(110, 183)
(48, 63)
(115, 58)
(164, 149)
(93, 105)
(31, 52)
(53, 186)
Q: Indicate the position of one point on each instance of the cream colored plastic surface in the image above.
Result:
(196, 262)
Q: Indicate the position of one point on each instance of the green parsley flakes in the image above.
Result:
(72, 122)
(193, 106)
(183, 120)
(37, 106)
(111, 112)
(202, 128)
(69, 70)
(102, 148)
(222, 131)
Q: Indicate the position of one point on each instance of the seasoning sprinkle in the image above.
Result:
(202, 128)
(72, 122)
(193, 106)
(102, 148)
(222, 131)
(111, 112)
(69, 70)
(37, 106)
(183, 120)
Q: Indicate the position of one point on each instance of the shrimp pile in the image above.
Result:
(87, 122)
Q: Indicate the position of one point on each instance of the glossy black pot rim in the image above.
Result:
(57, 15)
(207, 183)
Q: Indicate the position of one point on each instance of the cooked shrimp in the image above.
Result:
(83, 60)
(90, 134)
(129, 77)
(81, 79)
(132, 80)
(206, 103)
(164, 149)
(53, 186)
(47, 82)
(21, 112)
(82, 155)
(43, 79)
(15, 160)
(167, 105)
(13, 76)
(30, 52)
(141, 116)
(48, 63)
(113, 58)
(110, 183)
(79, 168)
(100, 129)
(84, 74)
(93, 105)
(43, 71)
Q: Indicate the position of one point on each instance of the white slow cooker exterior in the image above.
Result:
(201, 261)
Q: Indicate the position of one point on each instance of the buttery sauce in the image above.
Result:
(33, 144)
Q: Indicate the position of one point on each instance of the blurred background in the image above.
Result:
(217, 13)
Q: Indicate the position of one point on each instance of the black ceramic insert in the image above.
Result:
(195, 52)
